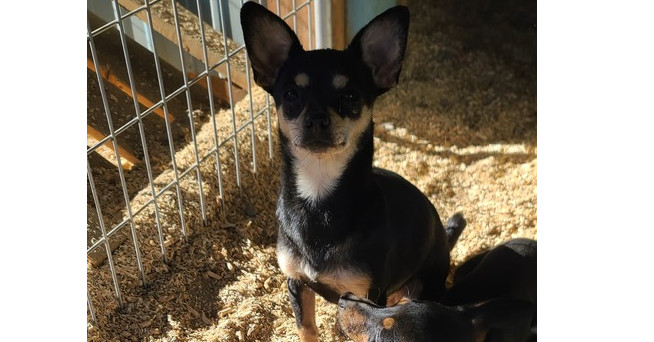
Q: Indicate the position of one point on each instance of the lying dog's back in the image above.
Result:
(493, 299)
(506, 274)
(508, 270)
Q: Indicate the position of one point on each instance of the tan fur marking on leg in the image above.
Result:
(308, 331)
(388, 322)
(308, 335)
(410, 290)
(480, 336)
(288, 264)
(347, 280)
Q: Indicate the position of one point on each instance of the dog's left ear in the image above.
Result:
(269, 42)
(381, 45)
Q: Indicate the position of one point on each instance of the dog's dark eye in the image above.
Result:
(291, 95)
(350, 96)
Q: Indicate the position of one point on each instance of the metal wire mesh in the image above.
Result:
(121, 24)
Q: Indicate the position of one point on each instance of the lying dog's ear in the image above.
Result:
(269, 42)
(500, 313)
(381, 45)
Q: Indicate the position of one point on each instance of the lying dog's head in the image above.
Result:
(363, 321)
(324, 97)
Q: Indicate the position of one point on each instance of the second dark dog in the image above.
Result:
(493, 299)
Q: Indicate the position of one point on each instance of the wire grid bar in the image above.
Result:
(169, 134)
(212, 109)
(176, 182)
(110, 259)
(201, 75)
(294, 11)
(268, 113)
(121, 173)
(163, 103)
(294, 17)
(231, 95)
(189, 103)
(110, 24)
(309, 26)
(90, 305)
(252, 133)
(160, 104)
(137, 110)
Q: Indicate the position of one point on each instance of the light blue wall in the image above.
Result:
(360, 12)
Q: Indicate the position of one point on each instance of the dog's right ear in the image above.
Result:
(381, 45)
(269, 42)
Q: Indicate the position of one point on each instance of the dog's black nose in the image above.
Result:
(317, 121)
(347, 299)
(341, 303)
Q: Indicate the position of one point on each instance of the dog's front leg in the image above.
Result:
(303, 301)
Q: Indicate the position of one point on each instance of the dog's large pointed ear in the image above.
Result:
(269, 42)
(381, 45)
(500, 313)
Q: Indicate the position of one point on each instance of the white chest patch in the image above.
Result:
(317, 176)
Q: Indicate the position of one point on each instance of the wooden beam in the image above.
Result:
(286, 7)
(127, 159)
(338, 25)
(125, 88)
(163, 23)
(219, 88)
(98, 256)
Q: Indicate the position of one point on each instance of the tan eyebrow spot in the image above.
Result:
(301, 80)
(388, 322)
(339, 81)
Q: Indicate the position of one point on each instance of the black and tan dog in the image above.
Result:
(493, 298)
(344, 226)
